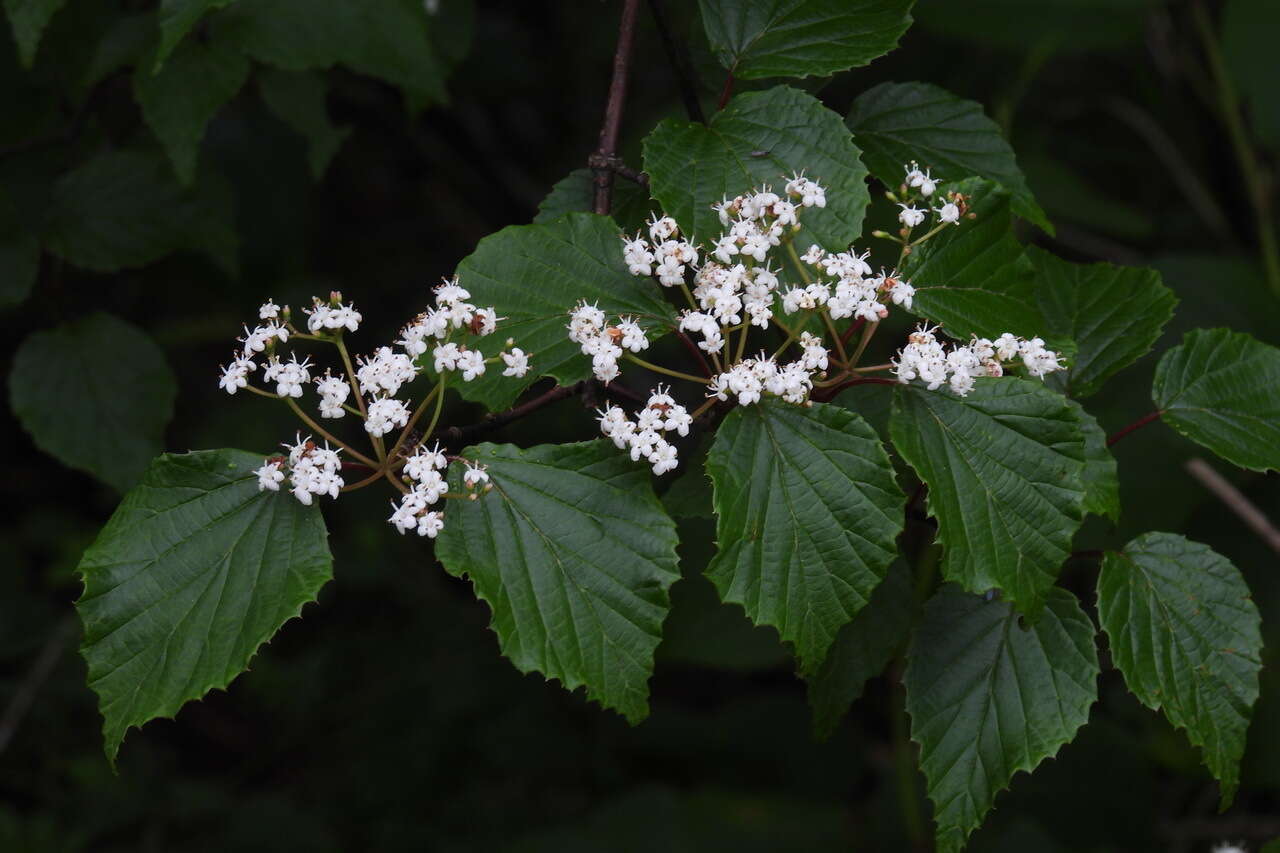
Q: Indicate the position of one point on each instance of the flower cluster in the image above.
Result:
(950, 212)
(925, 358)
(666, 258)
(604, 342)
(644, 436)
(445, 335)
(425, 472)
(751, 377)
(312, 470)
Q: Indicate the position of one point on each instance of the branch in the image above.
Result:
(41, 669)
(1235, 501)
(1136, 425)
(606, 152)
(822, 395)
(678, 53)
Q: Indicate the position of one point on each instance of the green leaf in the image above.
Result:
(195, 570)
(574, 556)
(19, 263)
(1221, 389)
(388, 39)
(1004, 467)
(534, 275)
(122, 44)
(95, 393)
(298, 99)
(28, 18)
(576, 192)
(989, 697)
(808, 514)
(759, 138)
(1114, 314)
(802, 38)
(126, 209)
(1186, 634)
(177, 17)
(1101, 480)
(974, 278)
(179, 100)
(895, 123)
(862, 650)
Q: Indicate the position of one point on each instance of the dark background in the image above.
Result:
(386, 719)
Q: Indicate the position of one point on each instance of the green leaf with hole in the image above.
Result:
(126, 209)
(759, 138)
(974, 278)
(1114, 314)
(179, 100)
(195, 570)
(535, 275)
(1221, 389)
(1005, 468)
(808, 513)
(298, 99)
(895, 123)
(96, 394)
(1186, 634)
(989, 696)
(802, 38)
(574, 556)
(862, 650)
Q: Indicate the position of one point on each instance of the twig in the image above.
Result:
(695, 352)
(1235, 501)
(455, 434)
(822, 395)
(627, 172)
(678, 53)
(1136, 425)
(41, 669)
(601, 161)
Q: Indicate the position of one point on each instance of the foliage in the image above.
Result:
(964, 542)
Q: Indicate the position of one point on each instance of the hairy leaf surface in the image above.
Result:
(1101, 480)
(95, 393)
(1005, 468)
(1221, 389)
(535, 275)
(574, 556)
(759, 138)
(800, 38)
(196, 570)
(989, 696)
(808, 514)
(895, 123)
(1186, 634)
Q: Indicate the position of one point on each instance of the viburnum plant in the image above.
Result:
(908, 517)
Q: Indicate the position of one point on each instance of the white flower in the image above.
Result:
(236, 374)
(313, 470)
(484, 321)
(662, 456)
(430, 524)
(662, 228)
(323, 316)
(516, 361)
(471, 363)
(269, 310)
(1229, 847)
(813, 254)
(1007, 347)
(911, 216)
(385, 372)
(451, 293)
(949, 213)
(637, 256)
(585, 321)
(446, 357)
(424, 462)
(289, 376)
(815, 354)
(269, 475)
(333, 393)
(632, 336)
(475, 475)
(901, 292)
(383, 414)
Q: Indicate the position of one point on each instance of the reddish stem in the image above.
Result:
(853, 329)
(822, 395)
(602, 160)
(695, 352)
(1136, 425)
(727, 92)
